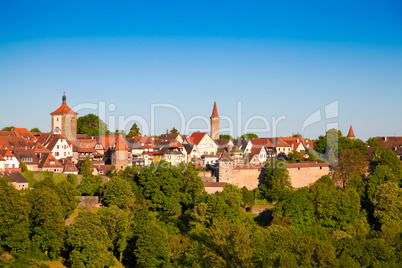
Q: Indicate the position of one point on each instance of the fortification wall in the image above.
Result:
(305, 176)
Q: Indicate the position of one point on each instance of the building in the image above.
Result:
(64, 121)
(351, 135)
(204, 142)
(215, 123)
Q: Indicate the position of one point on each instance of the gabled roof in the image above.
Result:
(169, 136)
(39, 148)
(16, 177)
(225, 157)
(24, 133)
(63, 109)
(279, 142)
(50, 140)
(198, 136)
(223, 142)
(49, 161)
(26, 153)
(214, 111)
(70, 167)
(6, 153)
(189, 148)
(4, 133)
(351, 134)
(259, 142)
(2, 158)
(109, 141)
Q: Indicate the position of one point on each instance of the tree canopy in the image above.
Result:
(91, 125)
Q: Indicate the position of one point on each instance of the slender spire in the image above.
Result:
(351, 135)
(214, 111)
(64, 99)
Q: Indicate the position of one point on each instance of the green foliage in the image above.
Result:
(90, 185)
(248, 198)
(174, 131)
(85, 167)
(14, 218)
(350, 162)
(388, 158)
(225, 137)
(88, 242)
(46, 175)
(388, 203)
(35, 129)
(152, 248)
(134, 131)
(192, 187)
(47, 224)
(59, 178)
(91, 125)
(249, 136)
(373, 142)
(294, 157)
(118, 226)
(23, 166)
(118, 192)
(7, 128)
(277, 181)
(73, 179)
(161, 185)
(67, 193)
(30, 176)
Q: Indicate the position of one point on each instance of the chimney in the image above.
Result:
(385, 138)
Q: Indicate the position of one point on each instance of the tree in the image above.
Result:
(134, 131)
(192, 184)
(23, 166)
(47, 224)
(118, 226)
(88, 242)
(248, 198)
(249, 136)
(373, 142)
(90, 185)
(174, 131)
(295, 156)
(161, 185)
(67, 194)
(277, 181)
(35, 129)
(85, 167)
(350, 162)
(118, 192)
(14, 218)
(7, 128)
(152, 247)
(91, 125)
(225, 137)
(386, 157)
(388, 203)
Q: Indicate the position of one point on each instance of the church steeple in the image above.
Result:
(214, 111)
(64, 98)
(351, 135)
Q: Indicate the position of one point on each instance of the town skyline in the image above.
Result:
(277, 61)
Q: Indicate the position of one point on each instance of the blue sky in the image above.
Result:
(278, 58)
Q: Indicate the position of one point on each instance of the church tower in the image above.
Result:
(215, 123)
(64, 121)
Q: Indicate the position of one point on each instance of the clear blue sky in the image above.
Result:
(277, 58)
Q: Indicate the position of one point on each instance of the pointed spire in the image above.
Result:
(64, 99)
(351, 135)
(214, 111)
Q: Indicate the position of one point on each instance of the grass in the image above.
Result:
(264, 206)
(54, 264)
(78, 210)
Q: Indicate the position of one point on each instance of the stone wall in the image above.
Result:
(89, 201)
(304, 174)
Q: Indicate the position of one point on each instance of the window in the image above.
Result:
(55, 170)
(320, 167)
(101, 172)
(298, 168)
(58, 146)
(52, 162)
(57, 119)
(57, 153)
(13, 165)
(64, 153)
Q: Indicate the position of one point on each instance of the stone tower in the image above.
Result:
(64, 121)
(226, 165)
(351, 135)
(215, 123)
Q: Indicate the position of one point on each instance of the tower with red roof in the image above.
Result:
(64, 121)
(215, 123)
(351, 135)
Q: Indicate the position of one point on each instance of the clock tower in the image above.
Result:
(64, 121)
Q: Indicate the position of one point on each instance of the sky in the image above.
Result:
(274, 67)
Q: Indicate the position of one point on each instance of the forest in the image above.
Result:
(160, 216)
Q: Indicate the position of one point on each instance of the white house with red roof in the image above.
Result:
(57, 144)
(11, 163)
(205, 144)
(2, 163)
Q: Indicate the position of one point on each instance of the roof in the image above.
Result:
(24, 133)
(63, 109)
(248, 166)
(197, 136)
(50, 140)
(351, 134)
(214, 184)
(26, 153)
(39, 148)
(169, 136)
(394, 143)
(225, 157)
(109, 141)
(259, 142)
(189, 148)
(214, 111)
(279, 142)
(46, 162)
(70, 167)
(16, 177)
(6, 153)
(2, 158)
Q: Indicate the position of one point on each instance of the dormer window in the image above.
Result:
(52, 162)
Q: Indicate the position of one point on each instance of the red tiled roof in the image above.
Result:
(197, 136)
(2, 158)
(225, 157)
(214, 111)
(259, 142)
(45, 162)
(63, 109)
(70, 167)
(39, 148)
(351, 134)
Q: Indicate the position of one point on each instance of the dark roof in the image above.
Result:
(16, 177)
